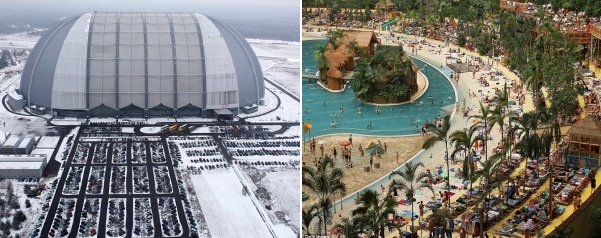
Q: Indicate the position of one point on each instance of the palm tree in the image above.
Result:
(441, 134)
(483, 119)
(410, 181)
(334, 36)
(325, 182)
(490, 168)
(350, 228)
(352, 46)
(308, 216)
(373, 210)
(464, 140)
(440, 216)
(322, 60)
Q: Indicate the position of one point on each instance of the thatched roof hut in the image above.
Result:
(584, 147)
(587, 126)
(334, 73)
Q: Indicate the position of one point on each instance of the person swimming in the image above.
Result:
(441, 101)
(333, 114)
(421, 102)
(402, 108)
(333, 124)
(450, 97)
(412, 120)
(307, 109)
(370, 125)
(430, 97)
(436, 85)
(324, 104)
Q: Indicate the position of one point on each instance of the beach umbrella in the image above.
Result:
(321, 142)
(372, 149)
(345, 143)
(511, 102)
(444, 175)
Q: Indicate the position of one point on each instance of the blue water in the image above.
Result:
(392, 120)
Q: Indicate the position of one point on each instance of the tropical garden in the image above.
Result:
(537, 51)
(384, 77)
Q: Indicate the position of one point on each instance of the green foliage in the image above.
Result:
(18, 218)
(387, 76)
(595, 215)
(325, 182)
(461, 39)
(27, 203)
(561, 232)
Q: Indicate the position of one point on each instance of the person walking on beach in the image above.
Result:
(350, 139)
(385, 148)
(397, 157)
(577, 203)
(334, 152)
(421, 210)
(593, 184)
(371, 162)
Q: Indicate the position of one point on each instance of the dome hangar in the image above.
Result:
(120, 64)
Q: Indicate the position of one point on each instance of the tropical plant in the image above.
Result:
(483, 119)
(410, 181)
(325, 182)
(308, 216)
(464, 140)
(322, 60)
(441, 134)
(373, 210)
(350, 227)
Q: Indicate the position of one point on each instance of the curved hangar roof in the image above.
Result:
(144, 59)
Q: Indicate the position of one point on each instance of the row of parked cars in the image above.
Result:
(96, 180)
(119, 153)
(258, 144)
(162, 180)
(100, 153)
(61, 225)
(140, 179)
(115, 221)
(263, 152)
(81, 153)
(73, 181)
(93, 129)
(170, 224)
(138, 153)
(90, 215)
(157, 153)
(262, 137)
(118, 175)
(188, 209)
(143, 219)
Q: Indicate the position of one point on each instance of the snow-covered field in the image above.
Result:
(18, 41)
(280, 61)
(283, 188)
(48, 142)
(228, 212)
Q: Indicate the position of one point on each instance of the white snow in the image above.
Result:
(280, 61)
(289, 109)
(127, 129)
(48, 142)
(292, 131)
(150, 130)
(228, 213)
(283, 231)
(18, 41)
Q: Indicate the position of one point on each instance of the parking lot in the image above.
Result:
(109, 188)
(124, 184)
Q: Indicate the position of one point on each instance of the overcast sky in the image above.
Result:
(215, 8)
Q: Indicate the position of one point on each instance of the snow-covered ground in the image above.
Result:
(48, 142)
(282, 186)
(280, 61)
(228, 212)
(150, 130)
(289, 109)
(18, 41)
